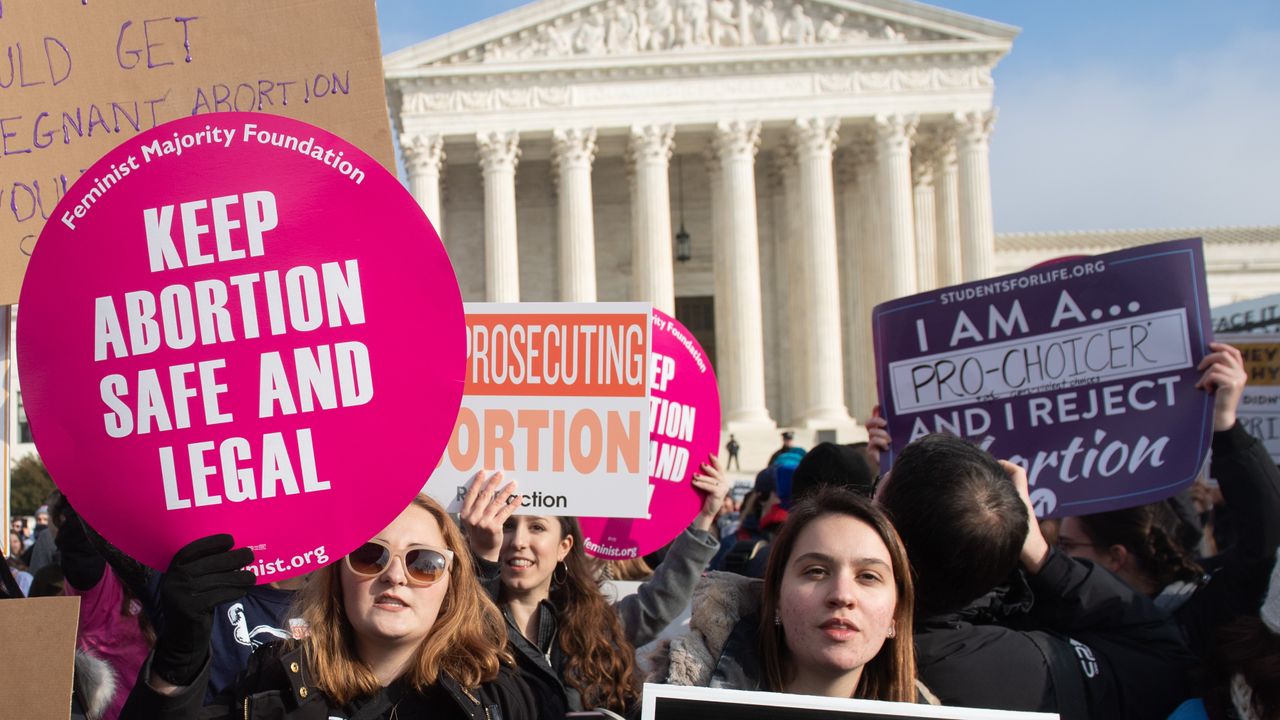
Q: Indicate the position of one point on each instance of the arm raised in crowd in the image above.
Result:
(203, 574)
(82, 564)
(1129, 653)
(663, 597)
(1248, 477)
(486, 507)
(1250, 484)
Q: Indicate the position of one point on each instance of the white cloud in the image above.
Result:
(1192, 144)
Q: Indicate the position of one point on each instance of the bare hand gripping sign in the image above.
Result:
(221, 308)
(1082, 371)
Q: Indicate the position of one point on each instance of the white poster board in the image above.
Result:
(672, 702)
(1259, 315)
(557, 397)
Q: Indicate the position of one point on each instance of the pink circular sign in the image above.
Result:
(240, 323)
(684, 427)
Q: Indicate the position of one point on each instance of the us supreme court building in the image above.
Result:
(765, 170)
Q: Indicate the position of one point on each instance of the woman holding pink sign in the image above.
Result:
(400, 628)
(574, 650)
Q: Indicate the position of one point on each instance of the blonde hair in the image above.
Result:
(891, 674)
(467, 642)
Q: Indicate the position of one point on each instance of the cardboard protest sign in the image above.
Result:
(40, 641)
(1259, 410)
(1083, 372)
(684, 428)
(1259, 315)
(221, 308)
(675, 702)
(6, 429)
(78, 78)
(556, 397)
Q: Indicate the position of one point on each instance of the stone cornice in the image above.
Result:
(1112, 239)
(700, 63)
(910, 16)
(831, 78)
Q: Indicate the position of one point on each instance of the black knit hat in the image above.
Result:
(831, 464)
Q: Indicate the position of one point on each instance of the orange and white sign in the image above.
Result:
(557, 398)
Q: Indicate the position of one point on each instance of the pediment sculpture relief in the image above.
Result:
(620, 27)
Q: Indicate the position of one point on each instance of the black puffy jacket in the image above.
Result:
(1086, 645)
(276, 686)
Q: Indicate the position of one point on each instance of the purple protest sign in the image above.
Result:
(1082, 372)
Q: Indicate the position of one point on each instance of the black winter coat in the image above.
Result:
(1237, 579)
(1086, 645)
(275, 686)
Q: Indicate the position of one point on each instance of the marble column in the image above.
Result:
(945, 179)
(870, 229)
(719, 273)
(922, 179)
(785, 281)
(737, 261)
(573, 150)
(652, 271)
(854, 271)
(822, 389)
(424, 162)
(977, 228)
(499, 154)
(893, 154)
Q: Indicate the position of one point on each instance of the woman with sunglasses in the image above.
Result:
(398, 629)
(574, 650)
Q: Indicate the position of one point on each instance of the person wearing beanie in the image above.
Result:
(762, 515)
(832, 464)
(785, 468)
(41, 552)
(750, 555)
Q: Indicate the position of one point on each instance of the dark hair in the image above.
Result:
(599, 659)
(1245, 647)
(832, 464)
(1136, 528)
(960, 517)
(891, 674)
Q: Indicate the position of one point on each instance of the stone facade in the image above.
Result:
(560, 145)
(823, 156)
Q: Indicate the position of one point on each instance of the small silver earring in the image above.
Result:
(893, 629)
(777, 619)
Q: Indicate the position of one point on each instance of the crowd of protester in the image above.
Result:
(934, 583)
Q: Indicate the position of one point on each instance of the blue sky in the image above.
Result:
(1114, 114)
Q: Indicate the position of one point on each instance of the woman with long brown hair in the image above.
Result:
(575, 650)
(399, 628)
(833, 616)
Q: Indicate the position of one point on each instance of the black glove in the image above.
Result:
(200, 577)
(82, 564)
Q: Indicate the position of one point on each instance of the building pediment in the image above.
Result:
(555, 31)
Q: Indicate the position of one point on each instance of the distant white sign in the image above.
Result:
(1260, 315)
